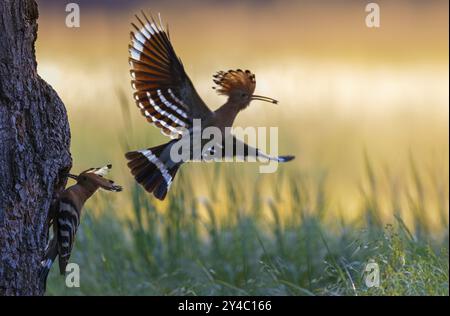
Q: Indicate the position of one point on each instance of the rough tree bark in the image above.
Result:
(34, 150)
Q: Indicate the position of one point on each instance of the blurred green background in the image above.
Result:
(364, 110)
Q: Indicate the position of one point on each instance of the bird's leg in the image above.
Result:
(51, 215)
(50, 249)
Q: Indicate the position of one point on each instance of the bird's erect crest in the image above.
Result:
(234, 79)
(102, 171)
(97, 175)
(163, 91)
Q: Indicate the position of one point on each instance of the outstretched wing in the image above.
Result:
(164, 92)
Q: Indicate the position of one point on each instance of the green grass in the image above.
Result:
(259, 246)
(313, 226)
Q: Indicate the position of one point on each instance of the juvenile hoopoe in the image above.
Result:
(65, 213)
(167, 98)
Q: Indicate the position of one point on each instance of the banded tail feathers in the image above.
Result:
(151, 171)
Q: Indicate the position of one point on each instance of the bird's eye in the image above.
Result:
(243, 95)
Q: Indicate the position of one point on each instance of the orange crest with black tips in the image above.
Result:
(234, 80)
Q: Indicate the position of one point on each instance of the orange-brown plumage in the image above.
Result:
(65, 213)
(167, 98)
(234, 80)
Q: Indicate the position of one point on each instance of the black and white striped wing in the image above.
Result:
(236, 148)
(163, 91)
(67, 225)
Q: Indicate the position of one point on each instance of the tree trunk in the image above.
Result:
(34, 150)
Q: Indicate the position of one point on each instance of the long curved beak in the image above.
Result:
(72, 176)
(263, 98)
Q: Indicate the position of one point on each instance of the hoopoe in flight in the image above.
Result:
(65, 212)
(167, 98)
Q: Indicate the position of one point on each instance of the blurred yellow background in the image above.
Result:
(344, 89)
